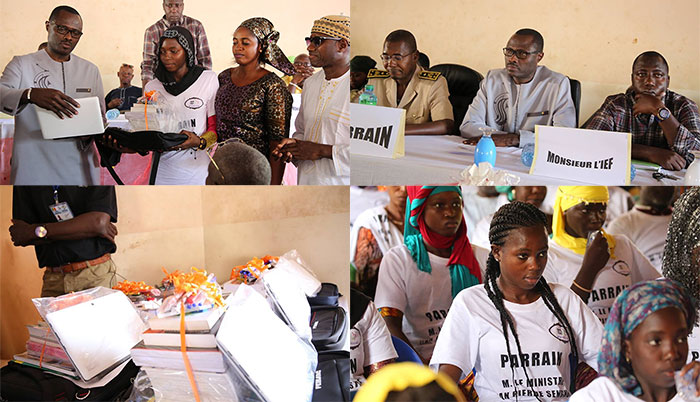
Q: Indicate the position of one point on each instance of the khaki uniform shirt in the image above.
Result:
(426, 98)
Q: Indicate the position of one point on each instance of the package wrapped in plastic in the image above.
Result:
(249, 272)
(292, 262)
(156, 384)
(96, 327)
(197, 289)
(159, 112)
(288, 301)
(485, 175)
(265, 350)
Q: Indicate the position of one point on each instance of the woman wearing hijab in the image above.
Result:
(597, 269)
(252, 103)
(644, 344)
(190, 91)
(681, 260)
(419, 279)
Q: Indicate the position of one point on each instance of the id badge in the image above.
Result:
(61, 211)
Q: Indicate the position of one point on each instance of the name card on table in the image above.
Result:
(593, 156)
(377, 130)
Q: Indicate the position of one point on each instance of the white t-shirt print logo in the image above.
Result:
(557, 330)
(621, 268)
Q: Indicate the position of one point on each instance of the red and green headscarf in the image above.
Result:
(464, 268)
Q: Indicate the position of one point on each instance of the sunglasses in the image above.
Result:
(317, 40)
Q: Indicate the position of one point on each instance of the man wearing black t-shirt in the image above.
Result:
(72, 229)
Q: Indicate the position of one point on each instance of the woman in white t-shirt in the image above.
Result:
(371, 347)
(524, 338)
(681, 260)
(374, 232)
(644, 345)
(190, 91)
(599, 269)
(534, 195)
(419, 279)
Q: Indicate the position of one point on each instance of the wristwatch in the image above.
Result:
(663, 113)
(40, 232)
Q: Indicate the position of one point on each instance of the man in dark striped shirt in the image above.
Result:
(174, 16)
(664, 125)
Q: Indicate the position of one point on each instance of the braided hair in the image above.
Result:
(512, 216)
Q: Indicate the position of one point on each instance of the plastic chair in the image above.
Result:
(405, 352)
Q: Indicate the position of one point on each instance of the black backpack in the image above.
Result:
(327, 296)
(328, 327)
(19, 382)
(332, 380)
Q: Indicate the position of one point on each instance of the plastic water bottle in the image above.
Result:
(692, 175)
(112, 114)
(367, 97)
(527, 155)
(685, 386)
(485, 149)
(633, 173)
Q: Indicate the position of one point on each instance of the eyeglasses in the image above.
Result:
(521, 54)
(63, 30)
(395, 57)
(173, 5)
(317, 40)
(219, 145)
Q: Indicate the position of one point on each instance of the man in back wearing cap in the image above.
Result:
(72, 230)
(359, 67)
(406, 85)
(320, 146)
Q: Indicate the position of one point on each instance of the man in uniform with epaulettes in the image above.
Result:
(404, 84)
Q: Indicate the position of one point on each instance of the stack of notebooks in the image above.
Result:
(43, 341)
(160, 347)
(160, 356)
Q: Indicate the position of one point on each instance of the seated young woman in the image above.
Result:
(644, 344)
(681, 258)
(595, 264)
(419, 279)
(525, 339)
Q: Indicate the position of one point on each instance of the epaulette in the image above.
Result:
(375, 73)
(429, 75)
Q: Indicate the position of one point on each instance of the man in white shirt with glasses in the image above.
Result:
(512, 100)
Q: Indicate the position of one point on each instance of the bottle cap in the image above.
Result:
(369, 88)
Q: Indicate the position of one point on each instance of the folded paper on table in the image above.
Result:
(377, 131)
(592, 156)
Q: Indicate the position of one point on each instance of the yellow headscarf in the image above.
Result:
(398, 377)
(567, 197)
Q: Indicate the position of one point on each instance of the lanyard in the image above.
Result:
(55, 195)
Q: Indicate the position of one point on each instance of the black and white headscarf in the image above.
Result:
(184, 39)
